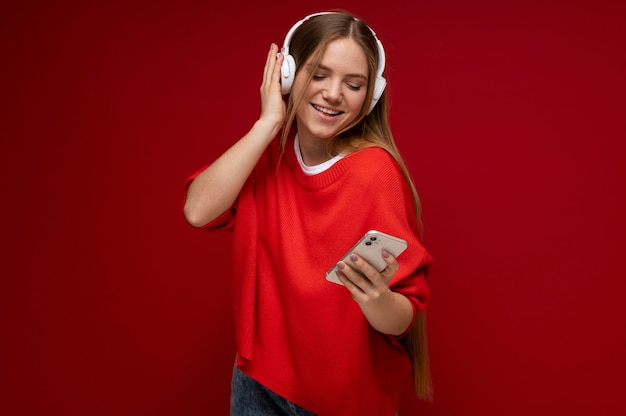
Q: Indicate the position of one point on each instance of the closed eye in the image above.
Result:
(351, 85)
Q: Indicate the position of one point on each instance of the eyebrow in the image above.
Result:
(325, 68)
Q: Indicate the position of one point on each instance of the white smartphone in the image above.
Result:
(370, 248)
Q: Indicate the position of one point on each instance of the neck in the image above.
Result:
(314, 152)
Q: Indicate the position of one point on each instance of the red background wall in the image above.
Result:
(511, 117)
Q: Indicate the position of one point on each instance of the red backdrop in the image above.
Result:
(511, 118)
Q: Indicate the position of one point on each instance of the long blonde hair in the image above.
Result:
(367, 130)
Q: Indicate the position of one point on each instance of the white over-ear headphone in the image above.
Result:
(288, 68)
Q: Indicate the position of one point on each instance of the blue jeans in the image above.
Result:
(250, 398)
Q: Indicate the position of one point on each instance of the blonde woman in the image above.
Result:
(317, 170)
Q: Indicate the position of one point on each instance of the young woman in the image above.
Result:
(316, 171)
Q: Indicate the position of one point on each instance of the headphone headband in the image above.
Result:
(288, 69)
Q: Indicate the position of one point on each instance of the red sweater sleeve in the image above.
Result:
(223, 222)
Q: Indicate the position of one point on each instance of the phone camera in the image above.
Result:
(373, 238)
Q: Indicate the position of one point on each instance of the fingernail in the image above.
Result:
(340, 265)
(353, 257)
(386, 254)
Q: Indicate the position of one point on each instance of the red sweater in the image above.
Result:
(298, 334)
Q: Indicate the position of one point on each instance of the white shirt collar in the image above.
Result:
(313, 170)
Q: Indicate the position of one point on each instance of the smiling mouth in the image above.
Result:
(326, 111)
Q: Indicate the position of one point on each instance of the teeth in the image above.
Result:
(326, 110)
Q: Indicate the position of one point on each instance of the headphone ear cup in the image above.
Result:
(379, 88)
(287, 74)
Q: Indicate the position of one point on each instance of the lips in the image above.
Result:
(326, 111)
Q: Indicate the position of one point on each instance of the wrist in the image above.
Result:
(267, 127)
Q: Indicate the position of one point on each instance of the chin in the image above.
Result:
(324, 135)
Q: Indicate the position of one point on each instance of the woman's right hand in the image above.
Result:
(216, 188)
(273, 107)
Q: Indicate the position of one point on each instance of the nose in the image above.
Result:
(333, 91)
